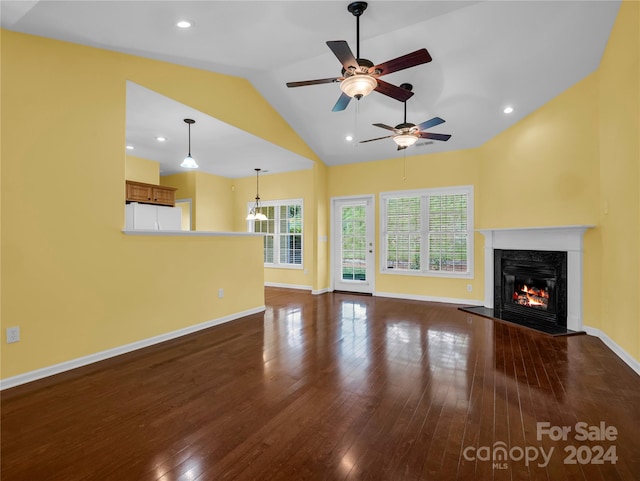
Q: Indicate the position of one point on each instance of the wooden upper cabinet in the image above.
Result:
(150, 193)
(164, 195)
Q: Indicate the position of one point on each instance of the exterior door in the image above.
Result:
(353, 260)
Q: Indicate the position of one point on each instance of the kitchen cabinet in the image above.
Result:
(150, 193)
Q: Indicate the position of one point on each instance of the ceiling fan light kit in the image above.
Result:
(359, 76)
(405, 140)
(406, 134)
(358, 85)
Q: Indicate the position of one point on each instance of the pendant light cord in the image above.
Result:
(189, 139)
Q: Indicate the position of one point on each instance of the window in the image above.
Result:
(428, 232)
(282, 232)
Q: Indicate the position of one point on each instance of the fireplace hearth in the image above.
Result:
(530, 287)
(567, 239)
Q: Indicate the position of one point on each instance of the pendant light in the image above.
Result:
(256, 212)
(189, 162)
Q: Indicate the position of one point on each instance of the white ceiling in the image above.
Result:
(486, 55)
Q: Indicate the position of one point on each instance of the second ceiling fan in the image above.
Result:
(359, 75)
(406, 134)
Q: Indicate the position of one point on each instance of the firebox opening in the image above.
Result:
(531, 293)
(531, 286)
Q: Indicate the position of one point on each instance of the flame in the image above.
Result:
(530, 296)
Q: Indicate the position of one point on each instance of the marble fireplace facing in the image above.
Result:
(535, 273)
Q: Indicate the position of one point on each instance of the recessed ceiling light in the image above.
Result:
(129, 147)
(183, 24)
(161, 139)
(349, 138)
(508, 110)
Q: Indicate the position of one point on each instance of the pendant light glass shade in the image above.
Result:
(405, 140)
(358, 85)
(189, 162)
(258, 216)
(256, 211)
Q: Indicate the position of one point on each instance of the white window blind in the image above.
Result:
(282, 232)
(428, 232)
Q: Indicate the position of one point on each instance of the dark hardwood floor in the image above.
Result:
(334, 387)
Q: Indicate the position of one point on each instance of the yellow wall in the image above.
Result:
(142, 170)
(211, 199)
(415, 172)
(214, 201)
(543, 171)
(291, 185)
(185, 211)
(619, 175)
(321, 238)
(186, 185)
(71, 280)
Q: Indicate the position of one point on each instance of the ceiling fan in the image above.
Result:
(406, 134)
(359, 75)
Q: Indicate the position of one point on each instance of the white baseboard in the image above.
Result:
(316, 292)
(446, 300)
(116, 351)
(611, 344)
(288, 286)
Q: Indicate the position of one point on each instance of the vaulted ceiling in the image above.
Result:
(486, 55)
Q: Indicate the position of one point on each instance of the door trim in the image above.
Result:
(332, 250)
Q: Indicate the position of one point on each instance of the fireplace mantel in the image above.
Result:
(557, 238)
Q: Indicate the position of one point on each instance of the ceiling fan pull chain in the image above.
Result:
(404, 165)
(355, 122)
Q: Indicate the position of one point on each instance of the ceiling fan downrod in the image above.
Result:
(357, 9)
(404, 124)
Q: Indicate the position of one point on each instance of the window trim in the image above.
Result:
(276, 240)
(425, 193)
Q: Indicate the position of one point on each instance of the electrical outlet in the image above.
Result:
(220, 293)
(469, 287)
(13, 334)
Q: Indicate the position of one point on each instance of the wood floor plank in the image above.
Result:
(329, 387)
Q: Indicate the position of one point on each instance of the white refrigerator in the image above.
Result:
(152, 217)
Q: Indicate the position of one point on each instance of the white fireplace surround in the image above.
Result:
(562, 238)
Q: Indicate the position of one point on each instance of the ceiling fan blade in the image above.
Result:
(342, 103)
(378, 138)
(341, 49)
(384, 126)
(393, 91)
(428, 135)
(314, 82)
(427, 124)
(406, 61)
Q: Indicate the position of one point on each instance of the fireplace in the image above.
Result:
(567, 239)
(530, 286)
